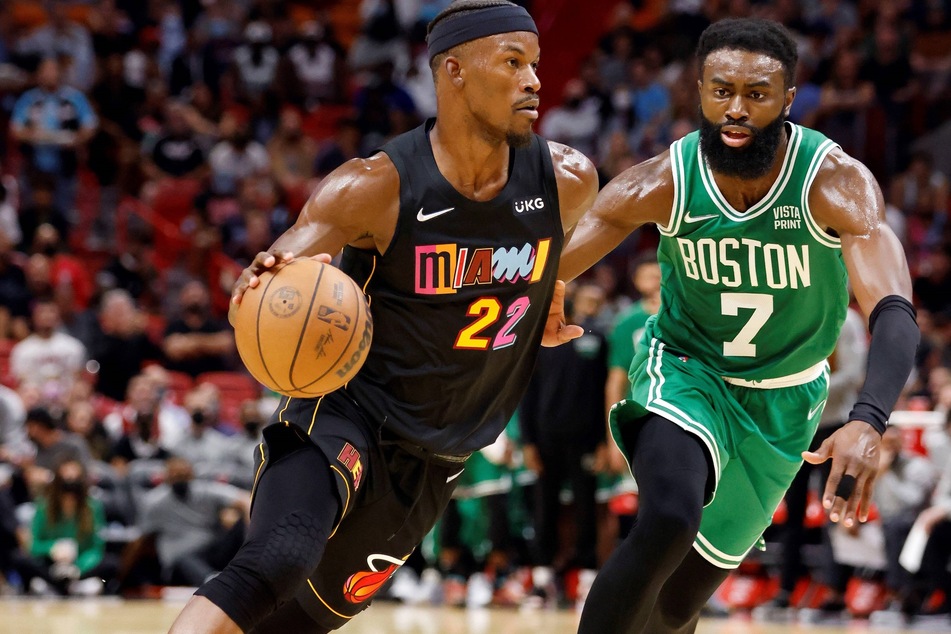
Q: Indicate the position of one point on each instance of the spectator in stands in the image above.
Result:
(236, 156)
(70, 277)
(844, 103)
(198, 525)
(10, 208)
(319, 62)
(576, 121)
(177, 153)
(346, 144)
(116, 100)
(140, 442)
(53, 446)
(48, 359)
(934, 574)
(196, 342)
(146, 419)
(383, 107)
(888, 67)
(133, 269)
(13, 440)
(380, 38)
(14, 293)
(292, 158)
(63, 38)
(204, 447)
(67, 551)
(81, 420)
(647, 105)
(921, 193)
(256, 61)
(904, 485)
(562, 422)
(51, 122)
(932, 285)
(42, 211)
(245, 445)
(120, 344)
(624, 339)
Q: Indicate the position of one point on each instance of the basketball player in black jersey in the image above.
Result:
(455, 231)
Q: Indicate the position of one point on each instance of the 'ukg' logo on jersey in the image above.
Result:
(443, 268)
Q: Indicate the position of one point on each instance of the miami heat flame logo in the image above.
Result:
(360, 586)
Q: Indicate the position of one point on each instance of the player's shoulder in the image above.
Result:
(369, 179)
(839, 166)
(845, 194)
(572, 166)
(577, 180)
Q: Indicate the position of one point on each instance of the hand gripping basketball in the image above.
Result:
(302, 328)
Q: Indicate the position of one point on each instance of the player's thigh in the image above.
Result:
(377, 537)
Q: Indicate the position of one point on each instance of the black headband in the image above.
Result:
(472, 25)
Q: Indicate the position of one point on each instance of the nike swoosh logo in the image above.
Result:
(815, 409)
(692, 219)
(424, 217)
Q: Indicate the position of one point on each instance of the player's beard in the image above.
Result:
(519, 140)
(750, 161)
(494, 134)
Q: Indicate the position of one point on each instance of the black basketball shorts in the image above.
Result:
(391, 495)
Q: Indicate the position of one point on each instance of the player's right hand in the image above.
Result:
(263, 261)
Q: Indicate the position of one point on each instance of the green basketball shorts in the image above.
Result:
(754, 433)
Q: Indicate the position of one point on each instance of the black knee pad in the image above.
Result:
(268, 570)
(291, 552)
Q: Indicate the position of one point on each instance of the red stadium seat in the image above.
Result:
(179, 384)
(6, 345)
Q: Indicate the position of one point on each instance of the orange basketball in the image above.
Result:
(305, 330)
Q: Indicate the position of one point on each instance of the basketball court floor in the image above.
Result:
(114, 616)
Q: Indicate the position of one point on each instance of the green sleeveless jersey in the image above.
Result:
(758, 294)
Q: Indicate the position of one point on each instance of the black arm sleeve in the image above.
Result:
(891, 356)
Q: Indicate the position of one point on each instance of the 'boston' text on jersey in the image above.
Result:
(727, 260)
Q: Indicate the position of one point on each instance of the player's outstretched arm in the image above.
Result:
(577, 181)
(356, 204)
(641, 194)
(846, 199)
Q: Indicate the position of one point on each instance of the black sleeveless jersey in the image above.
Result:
(459, 300)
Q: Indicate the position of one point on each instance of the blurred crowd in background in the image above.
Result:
(150, 149)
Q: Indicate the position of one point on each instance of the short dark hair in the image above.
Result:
(755, 35)
(42, 417)
(454, 10)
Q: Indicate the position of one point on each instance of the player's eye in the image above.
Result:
(756, 95)
(720, 92)
(534, 65)
(512, 62)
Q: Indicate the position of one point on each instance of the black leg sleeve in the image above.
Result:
(671, 467)
(295, 507)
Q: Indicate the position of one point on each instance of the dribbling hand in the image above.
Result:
(854, 452)
(557, 330)
(263, 261)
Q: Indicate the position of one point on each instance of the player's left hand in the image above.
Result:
(854, 452)
(557, 330)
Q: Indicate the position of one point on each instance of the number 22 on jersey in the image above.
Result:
(487, 311)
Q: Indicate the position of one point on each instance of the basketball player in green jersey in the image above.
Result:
(762, 223)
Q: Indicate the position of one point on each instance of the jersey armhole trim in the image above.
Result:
(817, 232)
(550, 182)
(677, 174)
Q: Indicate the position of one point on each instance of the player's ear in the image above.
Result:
(790, 97)
(454, 70)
